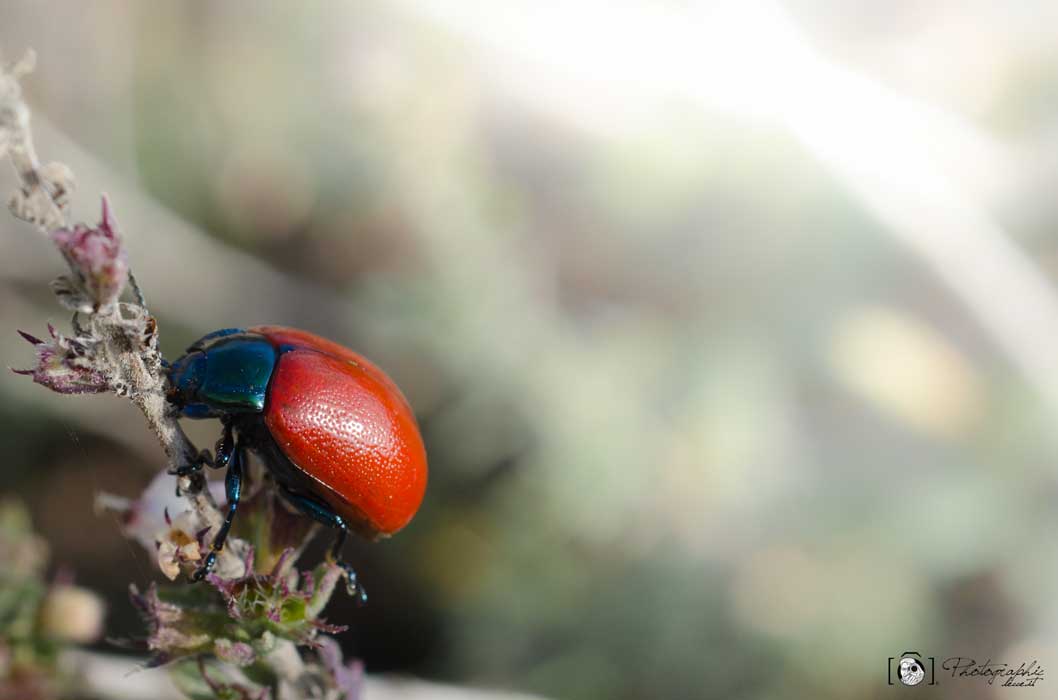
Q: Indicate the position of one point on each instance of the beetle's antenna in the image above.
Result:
(76, 323)
(136, 291)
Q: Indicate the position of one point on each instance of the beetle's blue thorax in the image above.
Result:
(223, 373)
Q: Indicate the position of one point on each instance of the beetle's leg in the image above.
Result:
(323, 514)
(225, 448)
(192, 470)
(233, 485)
(354, 586)
(186, 469)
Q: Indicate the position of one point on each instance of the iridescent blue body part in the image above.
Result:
(224, 373)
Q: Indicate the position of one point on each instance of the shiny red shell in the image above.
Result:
(347, 426)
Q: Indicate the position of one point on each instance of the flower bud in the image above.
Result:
(72, 614)
(64, 365)
(98, 256)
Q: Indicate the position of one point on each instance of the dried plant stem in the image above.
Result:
(42, 199)
(124, 335)
(115, 346)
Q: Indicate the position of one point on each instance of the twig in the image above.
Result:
(120, 340)
(115, 348)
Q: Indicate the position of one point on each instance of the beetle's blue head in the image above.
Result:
(228, 375)
(186, 377)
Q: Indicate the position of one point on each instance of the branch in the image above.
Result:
(243, 617)
(118, 349)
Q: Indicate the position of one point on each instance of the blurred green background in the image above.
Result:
(731, 328)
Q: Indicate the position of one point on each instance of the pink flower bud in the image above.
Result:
(64, 365)
(98, 256)
(238, 653)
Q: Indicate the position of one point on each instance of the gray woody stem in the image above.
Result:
(124, 334)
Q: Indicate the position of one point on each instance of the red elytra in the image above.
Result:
(343, 422)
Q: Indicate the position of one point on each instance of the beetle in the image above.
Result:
(335, 432)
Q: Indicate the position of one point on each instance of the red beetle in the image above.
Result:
(336, 433)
